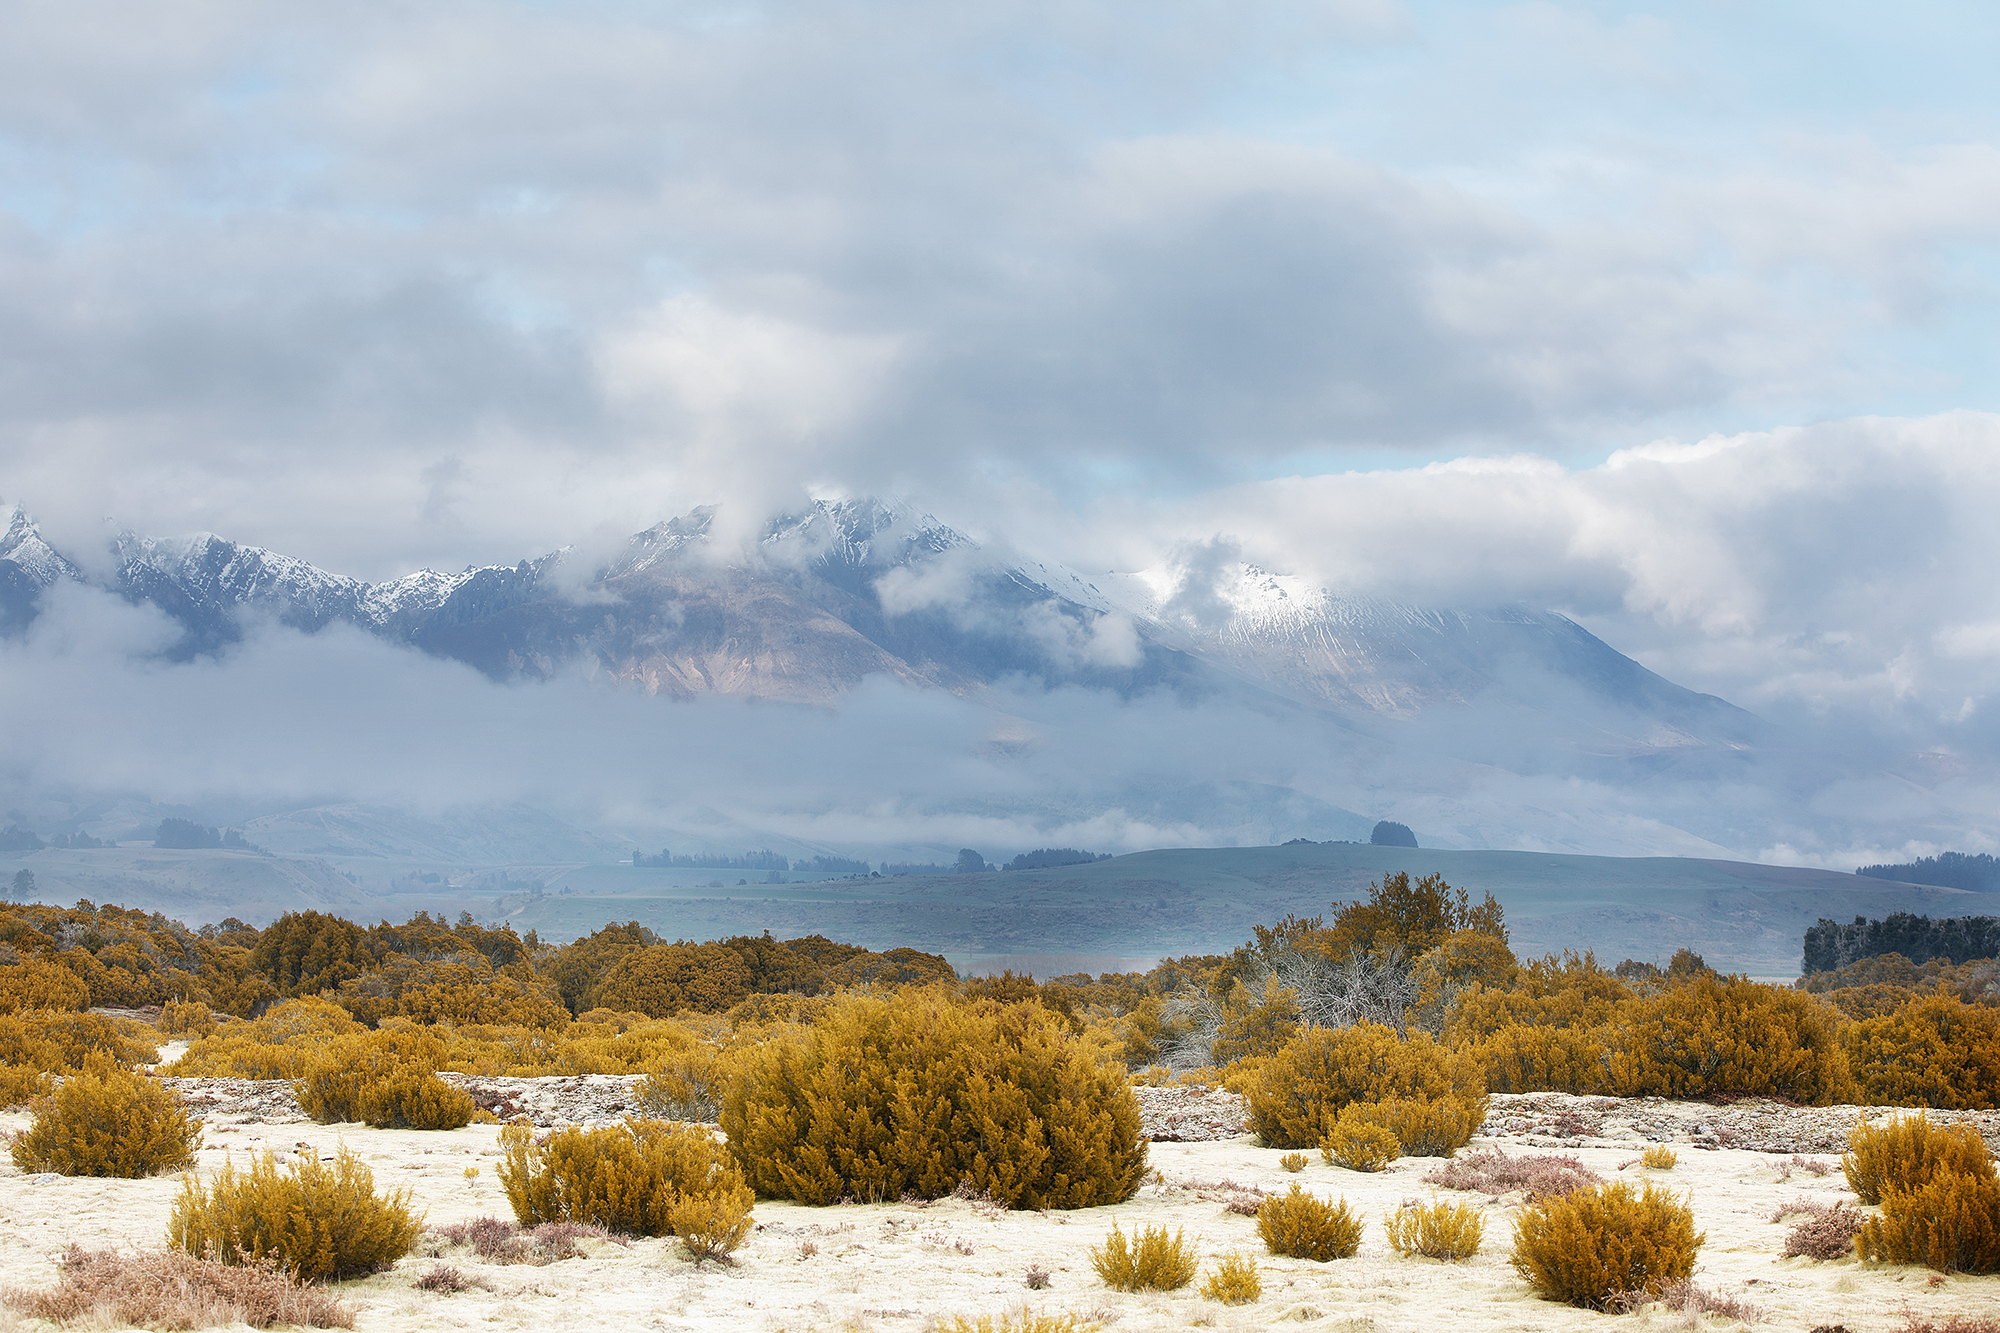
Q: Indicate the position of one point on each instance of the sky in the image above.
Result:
(1678, 319)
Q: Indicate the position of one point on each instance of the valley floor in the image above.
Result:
(899, 1267)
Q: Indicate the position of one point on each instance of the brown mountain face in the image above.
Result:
(684, 629)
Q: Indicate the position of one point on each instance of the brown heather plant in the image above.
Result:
(1304, 1226)
(1234, 1282)
(173, 1290)
(1021, 1321)
(1825, 1232)
(1150, 1261)
(1906, 1152)
(313, 1219)
(1682, 1296)
(107, 1121)
(1436, 1230)
(1958, 1323)
(1493, 1172)
(1600, 1242)
(633, 1179)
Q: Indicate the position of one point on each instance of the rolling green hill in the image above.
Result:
(1740, 917)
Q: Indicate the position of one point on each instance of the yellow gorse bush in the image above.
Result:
(1235, 1281)
(1296, 1096)
(1150, 1261)
(920, 1091)
(627, 1178)
(1905, 1153)
(384, 1078)
(1304, 1226)
(314, 1219)
(1934, 1050)
(1586, 1246)
(107, 1121)
(1436, 1230)
(1949, 1222)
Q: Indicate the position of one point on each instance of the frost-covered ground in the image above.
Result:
(896, 1267)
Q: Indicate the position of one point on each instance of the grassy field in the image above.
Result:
(1740, 917)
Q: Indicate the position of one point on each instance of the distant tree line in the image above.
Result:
(14, 838)
(1044, 858)
(1956, 939)
(666, 860)
(764, 860)
(1950, 870)
(185, 834)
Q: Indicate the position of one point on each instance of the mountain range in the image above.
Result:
(849, 589)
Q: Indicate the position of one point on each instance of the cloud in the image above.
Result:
(1834, 576)
(260, 269)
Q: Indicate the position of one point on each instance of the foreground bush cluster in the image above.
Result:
(836, 1073)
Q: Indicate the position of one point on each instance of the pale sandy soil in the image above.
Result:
(895, 1267)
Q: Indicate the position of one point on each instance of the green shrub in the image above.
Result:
(1950, 1222)
(1358, 1143)
(107, 1121)
(918, 1091)
(1907, 1152)
(626, 1178)
(1234, 1281)
(1436, 1230)
(1152, 1261)
(1594, 1243)
(1304, 1226)
(313, 1219)
(1296, 1095)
